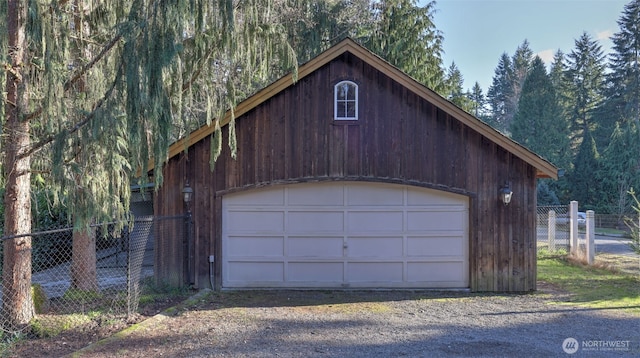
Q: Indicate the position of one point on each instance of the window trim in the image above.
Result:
(344, 102)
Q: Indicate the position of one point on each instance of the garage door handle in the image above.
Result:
(345, 246)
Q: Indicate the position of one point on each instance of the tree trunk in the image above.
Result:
(16, 275)
(17, 305)
(83, 261)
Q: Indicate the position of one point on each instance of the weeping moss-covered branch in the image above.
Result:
(73, 128)
(115, 83)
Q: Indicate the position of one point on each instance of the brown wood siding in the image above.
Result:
(399, 138)
(168, 235)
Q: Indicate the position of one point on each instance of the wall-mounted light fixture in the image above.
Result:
(505, 194)
(187, 193)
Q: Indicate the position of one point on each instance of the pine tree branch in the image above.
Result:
(76, 127)
(91, 63)
(70, 82)
(194, 76)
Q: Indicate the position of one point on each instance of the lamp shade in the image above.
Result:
(187, 193)
(505, 194)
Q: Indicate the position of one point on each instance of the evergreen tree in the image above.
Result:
(94, 108)
(521, 64)
(537, 124)
(623, 96)
(620, 169)
(500, 93)
(454, 82)
(478, 101)
(314, 26)
(508, 79)
(586, 72)
(399, 31)
(584, 188)
(622, 92)
(561, 82)
(546, 194)
(561, 85)
(404, 34)
(618, 116)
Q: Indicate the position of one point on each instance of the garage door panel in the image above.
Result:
(316, 272)
(315, 247)
(345, 234)
(436, 220)
(376, 221)
(374, 195)
(379, 247)
(391, 272)
(255, 221)
(263, 197)
(435, 246)
(252, 271)
(420, 197)
(315, 221)
(437, 271)
(244, 246)
(320, 195)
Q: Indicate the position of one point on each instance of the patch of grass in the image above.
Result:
(613, 232)
(591, 286)
(81, 296)
(475, 297)
(8, 340)
(623, 263)
(53, 325)
(153, 292)
(543, 252)
(349, 308)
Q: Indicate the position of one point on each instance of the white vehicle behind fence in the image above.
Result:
(564, 219)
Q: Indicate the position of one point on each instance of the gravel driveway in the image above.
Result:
(377, 324)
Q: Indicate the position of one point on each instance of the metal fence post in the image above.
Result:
(551, 231)
(130, 281)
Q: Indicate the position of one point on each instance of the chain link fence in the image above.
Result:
(552, 228)
(82, 276)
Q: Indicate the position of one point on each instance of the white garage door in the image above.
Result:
(345, 234)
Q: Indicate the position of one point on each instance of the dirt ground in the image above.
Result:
(377, 324)
(72, 340)
(351, 323)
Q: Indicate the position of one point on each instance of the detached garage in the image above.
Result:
(355, 176)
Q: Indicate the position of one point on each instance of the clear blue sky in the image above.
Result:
(477, 32)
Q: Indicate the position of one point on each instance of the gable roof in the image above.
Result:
(545, 169)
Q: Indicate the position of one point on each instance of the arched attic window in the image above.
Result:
(345, 101)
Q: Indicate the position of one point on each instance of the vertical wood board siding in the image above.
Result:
(399, 137)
